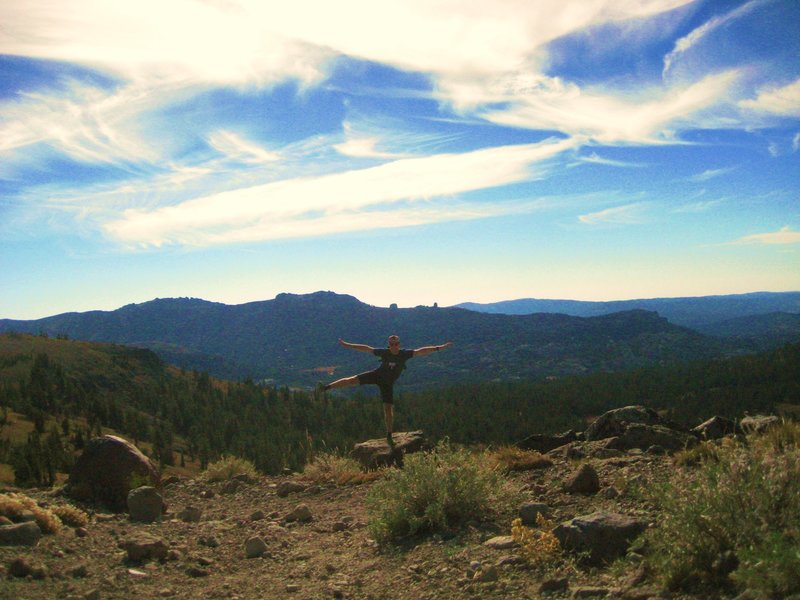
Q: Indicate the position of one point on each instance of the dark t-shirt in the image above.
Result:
(391, 364)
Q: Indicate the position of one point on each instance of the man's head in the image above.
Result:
(394, 343)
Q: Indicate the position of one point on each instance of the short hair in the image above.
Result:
(394, 338)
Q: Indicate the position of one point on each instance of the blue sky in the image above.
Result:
(407, 152)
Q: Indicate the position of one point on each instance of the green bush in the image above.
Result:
(433, 492)
(734, 522)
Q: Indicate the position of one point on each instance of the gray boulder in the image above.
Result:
(20, 534)
(143, 547)
(603, 536)
(145, 504)
(107, 470)
(614, 422)
(376, 453)
(638, 435)
(715, 428)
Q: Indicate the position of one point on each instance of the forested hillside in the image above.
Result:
(135, 393)
(291, 340)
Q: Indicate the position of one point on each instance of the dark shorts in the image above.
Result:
(374, 378)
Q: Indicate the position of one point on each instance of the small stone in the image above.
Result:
(137, 574)
(231, 487)
(553, 586)
(39, 572)
(257, 515)
(143, 547)
(79, 572)
(145, 504)
(190, 514)
(255, 547)
(19, 567)
(292, 587)
(289, 487)
(486, 575)
(300, 514)
(92, 595)
(81, 532)
(204, 561)
(530, 511)
(500, 542)
(584, 481)
(209, 541)
(197, 572)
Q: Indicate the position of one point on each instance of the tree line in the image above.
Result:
(191, 414)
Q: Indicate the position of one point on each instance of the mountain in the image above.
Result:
(763, 331)
(698, 312)
(293, 339)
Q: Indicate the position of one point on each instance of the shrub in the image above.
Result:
(229, 467)
(539, 547)
(434, 491)
(331, 468)
(14, 505)
(734, 522)
(511, 458)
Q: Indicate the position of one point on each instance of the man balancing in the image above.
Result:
(393, 361)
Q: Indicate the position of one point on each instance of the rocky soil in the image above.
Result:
(325, 551)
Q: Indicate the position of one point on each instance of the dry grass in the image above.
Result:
(69, 515)
(14, 506)
(540, 548)
(331, 468)
(510, 458)
(229, 467)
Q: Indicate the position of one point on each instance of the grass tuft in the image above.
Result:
(540, 548)
(229, 467)
(332, 468)
(70, 515)
(511, 458)
(15, 505)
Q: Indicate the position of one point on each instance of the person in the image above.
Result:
(393, 362)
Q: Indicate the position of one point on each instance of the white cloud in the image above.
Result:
(595, 159)
(709, 174)
(326, 204)
(796, 142)
(643, 118)
(628, 214)
(237, 148)
(781, 101)
(783, 236)
(694, 37)
(698, 207)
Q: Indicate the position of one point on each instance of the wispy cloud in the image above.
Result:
(796, 142)
(709, 174)
(693, 38)
(595, 159)
(698, 207)
(783, 236)
(628, 214)
(781, 101)
(352, 200)
(235, 147)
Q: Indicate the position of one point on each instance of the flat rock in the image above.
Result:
(376, 453)
(20, 534)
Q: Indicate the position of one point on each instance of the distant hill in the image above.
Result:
(763, 331)
(699, 312)
(293, 339)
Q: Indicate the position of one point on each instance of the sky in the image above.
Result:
(400, 151)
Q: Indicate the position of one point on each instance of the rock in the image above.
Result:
(758, 423)
(590, 592)
(79, 572)
(19, 567)
(613, 422)
(289, 487)
(554, 586)
(376, 453)
(715, 428)
(190, 514)
(300, 514)
(542, 442)
(197, 572)
(530, 511)
(20, 534)
(231, 487)
(107, 470)
(583, 481)
(255, 547)
(145, 504)
(603, 535)
(209, 541)
(500, 542)
(143, 547)
(485, 575)
(638, 435)
(257, 515)
(5, 521)
(292, 588)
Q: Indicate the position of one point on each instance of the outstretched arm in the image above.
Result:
(359, 347)
(428, 349)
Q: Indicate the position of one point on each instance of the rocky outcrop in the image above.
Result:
(715, 428)
(542, 442)
(107, 471)
(759, 423)
(614, 422)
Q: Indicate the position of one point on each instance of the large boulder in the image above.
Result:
(107, 471)
(614, 422)
(145, 504)
(715, 428)
(638, 435)
(376, 453)
(543, 442)
(600, 536)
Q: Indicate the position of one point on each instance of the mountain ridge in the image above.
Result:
(285, 339)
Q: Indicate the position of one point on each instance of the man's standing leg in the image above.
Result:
(387, 393)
